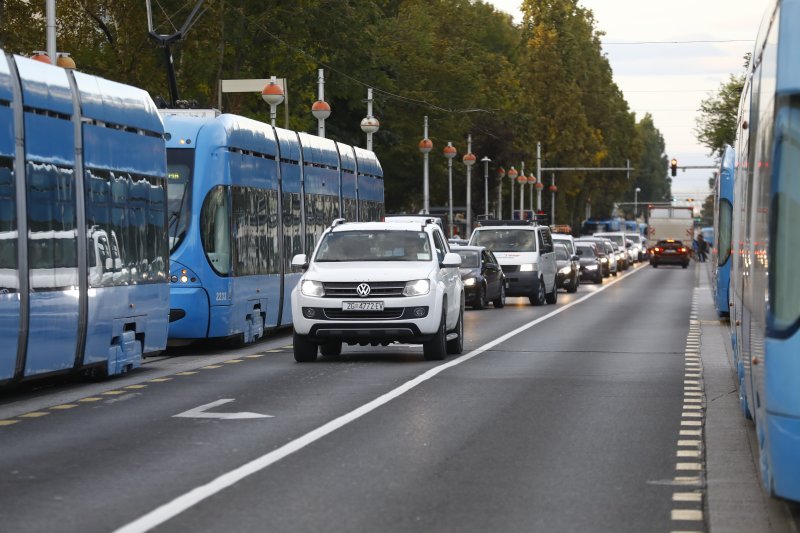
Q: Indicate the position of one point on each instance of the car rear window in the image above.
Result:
(469, 259)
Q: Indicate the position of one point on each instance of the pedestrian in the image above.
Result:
(702, 248)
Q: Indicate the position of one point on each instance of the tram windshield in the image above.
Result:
(180, 168)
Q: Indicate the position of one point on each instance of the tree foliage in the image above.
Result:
(465, 66)
(716, 125)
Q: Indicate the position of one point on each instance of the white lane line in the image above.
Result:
(173, 508)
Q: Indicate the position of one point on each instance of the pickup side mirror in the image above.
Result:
(300, 261)
(451, 260)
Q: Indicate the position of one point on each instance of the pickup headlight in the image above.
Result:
(312, 288)
(530, 267)
(565, 270)
(419, 287)
(469, 282)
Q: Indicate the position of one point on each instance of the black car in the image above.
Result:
(602, 251)
(590, 265)
(568, 274)
(483, 278)
(670, 252)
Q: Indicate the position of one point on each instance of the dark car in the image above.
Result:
(569, 271)
(603, 251)
(590, 266)
(670, 252)
(483, 278)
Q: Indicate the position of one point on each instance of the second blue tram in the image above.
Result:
(723, 220)
(766, 294)
(244, 198)
(83, 255)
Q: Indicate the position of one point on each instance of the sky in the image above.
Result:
(670, 80)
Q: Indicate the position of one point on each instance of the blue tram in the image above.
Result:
(766, 293)
(723, 220)
(83, 250)
(244, 198)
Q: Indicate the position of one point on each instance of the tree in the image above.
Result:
(716, 125)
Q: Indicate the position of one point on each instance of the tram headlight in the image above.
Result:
(312, 288)
(184, 276)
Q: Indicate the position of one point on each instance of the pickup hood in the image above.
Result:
(369, 271)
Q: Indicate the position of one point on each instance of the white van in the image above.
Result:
(527, 256)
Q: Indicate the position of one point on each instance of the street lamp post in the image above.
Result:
(636, 192)
(469, 160)
(369, 124)
(450, 153)
(272, 95)
(512, 175)
(486, 162)
(321, 109)
(425, 146)
(501, 173)
(522, 180)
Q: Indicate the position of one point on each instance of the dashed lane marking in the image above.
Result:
(90, 399)
(8, 422)
(34, 414)
(160, 380)
(64, 406)
(187, 373)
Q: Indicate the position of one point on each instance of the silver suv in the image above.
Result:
(375, 283)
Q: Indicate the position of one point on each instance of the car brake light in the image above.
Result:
(682, 250)
(656, 249)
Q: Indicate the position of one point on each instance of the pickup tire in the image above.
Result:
(305, 351)
(456, 346)
(436, 348)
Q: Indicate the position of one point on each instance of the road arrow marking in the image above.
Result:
(201, 412)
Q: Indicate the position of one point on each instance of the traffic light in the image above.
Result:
(673, 166)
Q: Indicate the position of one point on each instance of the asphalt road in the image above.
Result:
(556, 418)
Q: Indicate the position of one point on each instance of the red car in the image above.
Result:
(670, 252)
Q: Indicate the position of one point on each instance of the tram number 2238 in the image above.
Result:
(222, 296)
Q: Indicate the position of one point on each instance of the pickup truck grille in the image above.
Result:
(387, 314)
(378, 289)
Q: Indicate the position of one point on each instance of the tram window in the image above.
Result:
(724, 238)
(52, 245)
(8, 227)
(785, 212)
(215, 229)
(292, 228)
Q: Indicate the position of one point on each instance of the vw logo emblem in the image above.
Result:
(363, 290)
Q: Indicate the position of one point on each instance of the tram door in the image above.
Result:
(53, 269)
(9, 275)
(51, 218)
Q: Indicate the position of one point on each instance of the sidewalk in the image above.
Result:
(735, 501)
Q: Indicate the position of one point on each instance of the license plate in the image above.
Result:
(362, 306)
(669, 251)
